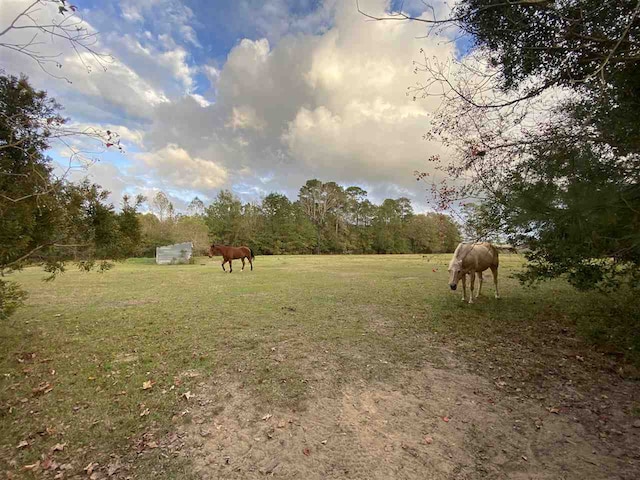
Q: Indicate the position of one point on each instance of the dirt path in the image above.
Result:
(434, 423)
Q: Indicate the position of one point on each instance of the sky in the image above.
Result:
(248, 95)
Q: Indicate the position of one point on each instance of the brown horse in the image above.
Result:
(232, 253)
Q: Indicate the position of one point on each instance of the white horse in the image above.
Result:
(473, 259)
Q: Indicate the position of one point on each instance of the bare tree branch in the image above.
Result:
(71, 29)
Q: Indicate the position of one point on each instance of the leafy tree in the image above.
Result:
(389, 225)
(196, 207)
(279, 227)
(320, 202)
(480, 222)
(422, 233)
(405, 209)
(154, 234)
(223, 217)
(45, 217)
(192, 229)
(163, 206)
(128, 224)
(543, 115)
(448, 233)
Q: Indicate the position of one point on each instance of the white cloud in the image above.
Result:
(165, 68)
(212, 73)
(244, 117)
(203, 102)
(168, 17)
(320, 95)
(174, 167)
(332, 106)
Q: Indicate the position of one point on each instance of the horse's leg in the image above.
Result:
(242, 269)
(223, 262)
(230, 266)
(251, 262)
(480, 279)
(473, 282)
(464, 287)
(494, 272)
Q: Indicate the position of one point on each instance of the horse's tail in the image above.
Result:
(251, 253)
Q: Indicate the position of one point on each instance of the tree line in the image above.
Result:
(326, 218)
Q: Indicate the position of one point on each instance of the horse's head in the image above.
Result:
(455, 273)
(213, 250)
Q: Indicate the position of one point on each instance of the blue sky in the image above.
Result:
(249, 95)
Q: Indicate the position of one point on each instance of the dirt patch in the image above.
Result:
(431, 423)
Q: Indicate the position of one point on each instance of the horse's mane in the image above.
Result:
(456, 255)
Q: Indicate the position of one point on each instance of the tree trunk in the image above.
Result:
(318, 239)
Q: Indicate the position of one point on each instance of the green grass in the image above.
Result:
(294, 325)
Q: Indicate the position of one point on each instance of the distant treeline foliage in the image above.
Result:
(326, 218)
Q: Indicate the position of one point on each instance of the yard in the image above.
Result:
(316, 367)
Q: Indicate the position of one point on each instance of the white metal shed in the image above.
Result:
(178, 253)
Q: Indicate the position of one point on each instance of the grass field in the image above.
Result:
(297, 328)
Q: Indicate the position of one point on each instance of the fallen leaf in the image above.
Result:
(306, 451)
(553, 410)
(152, 444)
(428, 440)
(112, 468)
(147, 385)
(144, 412)
(23, 444)
(446, 419)
(324, 442)
(281, 424)
(267, 416)
(49, 464)
(188, 395)
(525, 458)
(33, 466)
(58, 447)
(43, 388)
(90, 468)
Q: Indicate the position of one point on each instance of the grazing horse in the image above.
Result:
(232, 253)
(473, 259)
